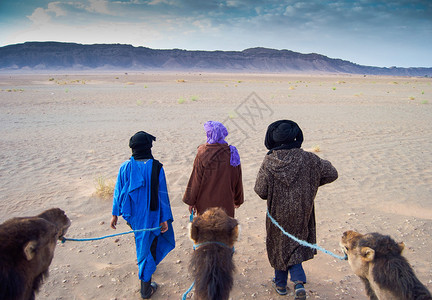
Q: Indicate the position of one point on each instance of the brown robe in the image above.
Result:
(289, 180)
(214, 182)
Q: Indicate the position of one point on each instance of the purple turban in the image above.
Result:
(216, 133)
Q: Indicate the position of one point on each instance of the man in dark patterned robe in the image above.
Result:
(288, 179)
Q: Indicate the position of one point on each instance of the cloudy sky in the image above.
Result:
(376, 33)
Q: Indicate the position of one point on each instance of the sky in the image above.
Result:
(382, 33)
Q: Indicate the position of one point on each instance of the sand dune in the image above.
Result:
(59, 133)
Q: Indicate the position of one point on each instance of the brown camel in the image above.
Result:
(27, 247)
(212, 266)
(377, 259)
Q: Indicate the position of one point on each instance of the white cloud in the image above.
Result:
(42, 16)
(100, 7)
(289, 11)
(259, 10)
(55, 8)
(59, 9)
(203, 25)
(156, 2)
(39, 16)
(301, 5)
(233, 3)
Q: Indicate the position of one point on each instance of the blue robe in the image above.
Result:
(132, 201)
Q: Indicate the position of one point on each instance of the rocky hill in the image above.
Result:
(39, 56)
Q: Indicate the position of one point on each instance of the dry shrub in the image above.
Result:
(105, 187)
(316, 148)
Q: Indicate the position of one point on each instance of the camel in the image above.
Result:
(377, 259)
(214, 234)
(27, 247)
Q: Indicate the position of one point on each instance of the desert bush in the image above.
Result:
(104, 187)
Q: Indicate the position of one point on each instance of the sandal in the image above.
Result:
(280, 290)
(299, 292)
(154, 286)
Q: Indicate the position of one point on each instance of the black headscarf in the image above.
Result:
(141, 143)
(283, 134)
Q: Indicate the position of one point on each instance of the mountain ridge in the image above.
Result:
(46, 56)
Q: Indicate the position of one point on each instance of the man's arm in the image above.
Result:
(261, 183)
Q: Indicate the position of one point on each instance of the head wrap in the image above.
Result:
(283, 134)
(216, 133)
(141, 143)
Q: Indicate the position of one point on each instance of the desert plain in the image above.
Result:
(62, 136)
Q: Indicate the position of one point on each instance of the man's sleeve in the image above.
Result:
(239, 195)
(191, 194)
(165, 207)
(116, 196)
(261, 183)
(328, 172)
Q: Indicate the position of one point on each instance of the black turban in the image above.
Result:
(141, 143)
(283, 134)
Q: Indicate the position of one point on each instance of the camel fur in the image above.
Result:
(212, 266)
(27, 247)
(377, 259)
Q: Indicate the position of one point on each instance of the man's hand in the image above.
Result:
(192, 209)
(114, 222)
(164, 226)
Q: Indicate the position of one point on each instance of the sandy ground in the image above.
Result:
(59, 133)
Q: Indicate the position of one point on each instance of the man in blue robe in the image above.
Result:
(141, 197)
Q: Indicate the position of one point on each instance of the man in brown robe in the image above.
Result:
(216, 179)
(289, 179)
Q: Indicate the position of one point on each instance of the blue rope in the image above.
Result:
(107, 236)
(304, 243)
(211, 242)
(187, 292)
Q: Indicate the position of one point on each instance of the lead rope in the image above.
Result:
(304, 243)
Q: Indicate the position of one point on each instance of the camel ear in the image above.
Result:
(194, 232)
(30, 249)
(401, 246)
(234, 230)
(367, 253)
(235, 233)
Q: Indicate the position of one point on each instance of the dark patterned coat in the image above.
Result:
(289, 181)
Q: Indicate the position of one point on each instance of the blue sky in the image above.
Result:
(374, 33)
